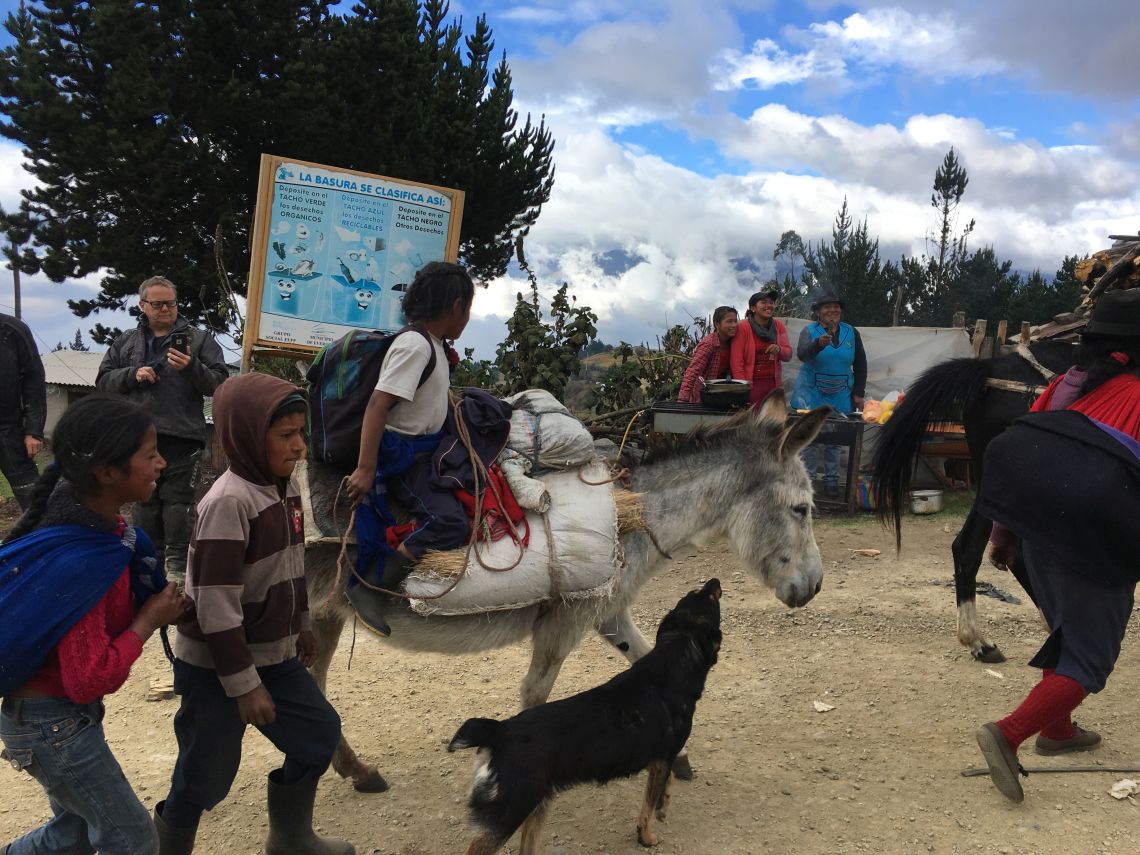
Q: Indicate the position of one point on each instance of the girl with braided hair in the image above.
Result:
(81, 594)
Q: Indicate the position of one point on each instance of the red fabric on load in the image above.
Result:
(1116, 403)
(495, 515)
(394, 535)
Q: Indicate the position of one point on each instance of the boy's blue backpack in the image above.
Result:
(341, 380)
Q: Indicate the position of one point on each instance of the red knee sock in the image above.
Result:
(1050, 702)
(1062, 728)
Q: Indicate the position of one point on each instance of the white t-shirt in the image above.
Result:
(421, 410)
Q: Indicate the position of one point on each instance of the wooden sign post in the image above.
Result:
(335, 249)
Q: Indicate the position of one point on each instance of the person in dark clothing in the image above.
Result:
(23, 407)
(168, 367)
(1064, 480)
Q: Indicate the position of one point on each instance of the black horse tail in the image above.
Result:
(950, 383)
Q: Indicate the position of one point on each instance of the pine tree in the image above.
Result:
(144, 124)
(849, 267)
(77, 342)
(948, 250)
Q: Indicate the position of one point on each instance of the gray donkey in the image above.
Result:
(742, 480)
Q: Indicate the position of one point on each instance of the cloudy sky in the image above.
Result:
(692, 133)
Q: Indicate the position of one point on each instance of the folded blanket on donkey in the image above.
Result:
(582, 559)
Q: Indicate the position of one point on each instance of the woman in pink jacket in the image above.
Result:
(759, 347)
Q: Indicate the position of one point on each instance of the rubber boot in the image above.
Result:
(291, 822)
(369, 604)
(171, 840)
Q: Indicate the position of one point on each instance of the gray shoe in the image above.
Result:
(1085, 740)
(1003, 764)
(291, 822)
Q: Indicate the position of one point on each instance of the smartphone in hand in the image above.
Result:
(180, 342)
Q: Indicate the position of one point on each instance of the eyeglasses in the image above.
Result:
(161, 304)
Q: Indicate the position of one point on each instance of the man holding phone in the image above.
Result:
(168, 367)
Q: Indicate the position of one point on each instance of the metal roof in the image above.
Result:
(71, 368)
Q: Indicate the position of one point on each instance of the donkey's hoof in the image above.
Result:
(373, 782)
(990, 654)
(682, 769)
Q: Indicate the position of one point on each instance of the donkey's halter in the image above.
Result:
(1023, 388)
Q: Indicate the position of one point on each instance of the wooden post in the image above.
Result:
(1024, 337)
(1001, 334)
(979, 337)
(959, 320)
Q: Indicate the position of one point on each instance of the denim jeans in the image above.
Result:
(210, 730)
(61, 744)
(830, 462)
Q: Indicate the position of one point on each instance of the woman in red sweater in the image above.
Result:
(761, 344)
(105, 456)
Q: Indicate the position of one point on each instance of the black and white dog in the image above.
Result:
(640, 719)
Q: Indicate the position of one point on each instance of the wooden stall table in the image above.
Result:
(945, 441)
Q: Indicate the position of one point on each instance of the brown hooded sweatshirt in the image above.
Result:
(246, 569)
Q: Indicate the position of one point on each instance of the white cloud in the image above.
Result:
(1087, 50)
(13, 178)
(855, 50)
(1004, 173)
(768, 66)
(639, 68)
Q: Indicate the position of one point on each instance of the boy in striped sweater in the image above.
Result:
(243, 659)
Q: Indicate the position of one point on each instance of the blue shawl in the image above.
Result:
(52, 577)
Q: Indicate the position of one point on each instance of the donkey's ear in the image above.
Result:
(774, 408)
(802, 431)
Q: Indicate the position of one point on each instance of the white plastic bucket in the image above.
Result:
(926, 501)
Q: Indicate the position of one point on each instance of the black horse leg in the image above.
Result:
(968, 548)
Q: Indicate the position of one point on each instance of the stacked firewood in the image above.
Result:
(1116, 267)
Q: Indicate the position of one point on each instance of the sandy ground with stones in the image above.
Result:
(878, 773)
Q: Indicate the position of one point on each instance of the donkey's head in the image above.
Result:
(769, 525)
(744, 480)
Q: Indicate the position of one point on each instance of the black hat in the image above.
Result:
(772, 295)
(823, 299)
(1116, 313)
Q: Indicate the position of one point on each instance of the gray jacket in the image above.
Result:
(175, 401)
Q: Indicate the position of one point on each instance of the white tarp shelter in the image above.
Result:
(895, 355)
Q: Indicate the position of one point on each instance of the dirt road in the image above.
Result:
(878, 773)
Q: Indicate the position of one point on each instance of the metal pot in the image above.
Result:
(926, 501)
(724, 396)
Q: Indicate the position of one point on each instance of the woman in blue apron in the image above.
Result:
(834, 373)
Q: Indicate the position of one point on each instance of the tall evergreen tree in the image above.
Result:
(948, 246)
(143, 124)
(849, 267)
(1038, 299)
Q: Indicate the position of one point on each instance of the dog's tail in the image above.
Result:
(474, 733)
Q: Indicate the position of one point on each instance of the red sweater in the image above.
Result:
(744, 350)
(96, 655)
